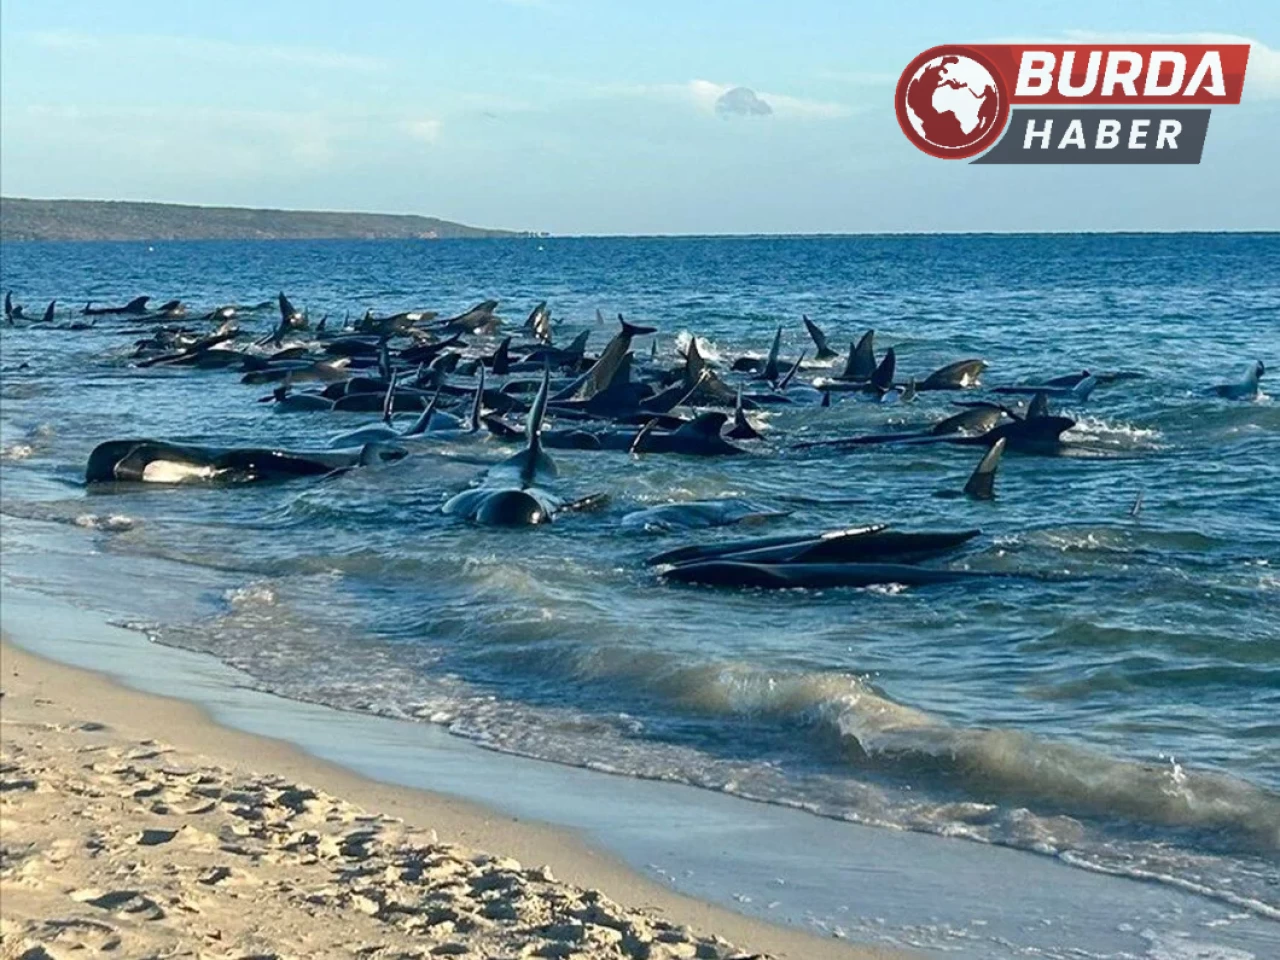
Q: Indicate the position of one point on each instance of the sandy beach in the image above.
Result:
(135, 826)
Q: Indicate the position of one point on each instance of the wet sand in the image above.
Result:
(134, 824)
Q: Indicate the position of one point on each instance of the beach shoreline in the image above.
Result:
(143, 746)
(768, 878)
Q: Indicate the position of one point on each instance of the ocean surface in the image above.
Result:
(1122, 715)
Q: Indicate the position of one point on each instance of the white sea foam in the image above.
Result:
(17, 451)
(1121, 435)
(251, 595)
(114, 523)
(709, 349)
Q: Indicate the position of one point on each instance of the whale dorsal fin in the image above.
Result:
(882, 378)
(532, 461)
(537, 413)
(790, 375)
(1085, 387)
(982, 483)
(423, 423)
(1038, 407)
(578, 347)
(384, 358)
(389, 400)
(742, 428)
(695, 368)
(502, 358)
(638, 443)
(862, 358)
(477, 404)
(819, 338)
(770, 371)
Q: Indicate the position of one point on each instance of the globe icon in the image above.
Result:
(952, 101)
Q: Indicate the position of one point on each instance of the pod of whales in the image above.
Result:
(460, 384)
(135, 307)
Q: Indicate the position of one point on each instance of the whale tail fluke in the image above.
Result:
(635, 329)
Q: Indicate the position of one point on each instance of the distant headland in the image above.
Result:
(23, 219)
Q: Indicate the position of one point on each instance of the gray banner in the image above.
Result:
(1101, 135)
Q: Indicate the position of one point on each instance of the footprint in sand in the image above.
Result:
(153, 838)
(120, 901)
(60, 939)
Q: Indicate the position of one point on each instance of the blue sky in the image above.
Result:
(585, 116)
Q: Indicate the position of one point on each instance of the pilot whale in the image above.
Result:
(877, 543)
(512, 493)
(158, 461)
(135, 307)
(1246, 389)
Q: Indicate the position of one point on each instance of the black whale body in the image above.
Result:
(784, 576)
(862, 544)
(130, 460)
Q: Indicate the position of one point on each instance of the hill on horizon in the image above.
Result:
(25, 219)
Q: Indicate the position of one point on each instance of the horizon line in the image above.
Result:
(534, 234)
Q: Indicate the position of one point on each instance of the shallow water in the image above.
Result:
(1122, 716)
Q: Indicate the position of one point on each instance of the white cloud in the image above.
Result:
(217, 51)
(786, 106)
(706, 95)
(427, 131)
(703, 93)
